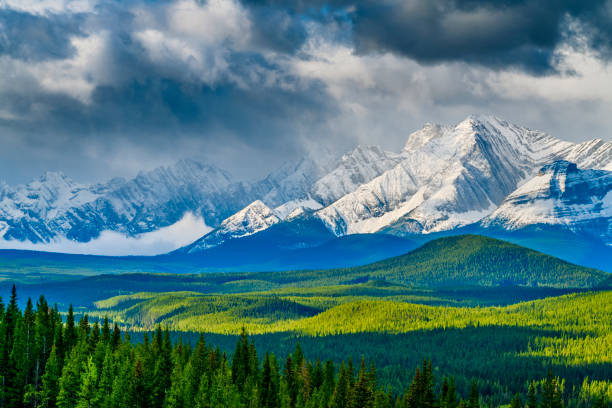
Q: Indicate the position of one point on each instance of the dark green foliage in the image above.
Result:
(478, 260)
(98, 371)
(452, 261)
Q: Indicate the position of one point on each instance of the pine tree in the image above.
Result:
(516, 401)
(175, 396)
(69, 383)
(50, 380)
(444, 393)
(107, 375)
(70, 334)
(340, 395)
(138, 396)
(116, 337)
(106, 334)
(474, 401)
(557, 398)
(88, 394)
(363, 393)
(532, 397)
(121, 393)
(548, 390)
(451, 395)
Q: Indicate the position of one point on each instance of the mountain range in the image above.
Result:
(483, 175)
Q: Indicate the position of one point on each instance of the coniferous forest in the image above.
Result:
(50, 360)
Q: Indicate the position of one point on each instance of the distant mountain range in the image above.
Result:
(484, 174)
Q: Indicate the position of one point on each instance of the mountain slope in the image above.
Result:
(355, 168)
(253, 218)
(447, 177)
(560, 195)
(451, 176)
(56, 207)
(478, 260)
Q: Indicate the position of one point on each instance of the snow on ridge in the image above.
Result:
(448, 176)
(560, 194)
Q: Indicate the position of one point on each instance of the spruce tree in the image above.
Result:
(516, 401)
(548, 390)
(107, 376)
(70, 334)
(50, 380)
(474, 401)
(88, 394)
(532, 397)
(69, 383)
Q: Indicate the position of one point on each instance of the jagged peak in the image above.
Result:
(50, 176)
(418, 139)
(256, 207)
(295, 213)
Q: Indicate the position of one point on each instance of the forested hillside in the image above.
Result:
(49, 362)
(479, 260)
(502, 272)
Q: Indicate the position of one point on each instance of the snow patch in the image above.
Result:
(284, 211)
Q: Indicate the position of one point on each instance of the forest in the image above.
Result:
(49, 359)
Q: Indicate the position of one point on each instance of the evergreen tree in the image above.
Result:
(106, 334)
(532, 396)
(88, 395)
(516, 401)
(557, 397)
(50, 380)
(116, 337)
(341, 391)
(474, 401)
(548, 390)
(69, 383)
(451, 395)
(107, 376)
(363, 392)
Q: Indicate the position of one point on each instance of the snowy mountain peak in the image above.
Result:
(560, 194)
(255, 213)
(353, 169)
(55, 177)
(429, 132)
(447, 176)
(253, 218)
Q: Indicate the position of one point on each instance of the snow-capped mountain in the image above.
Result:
(444, 178)
(27, 211)
(55, 207)
(447, 177)
(352, 170)
(560, 194)
(253, 218)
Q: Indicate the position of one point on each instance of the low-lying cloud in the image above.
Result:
(161, 241)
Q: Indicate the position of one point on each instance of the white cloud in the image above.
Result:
(592, 80)
(161, 241)
(49, 6)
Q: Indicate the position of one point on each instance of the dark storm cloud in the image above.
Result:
(149, 102)
(278, 29)
(495, 33)
(36, 38)
(183, 88)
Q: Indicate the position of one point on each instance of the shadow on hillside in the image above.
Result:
(496, 356)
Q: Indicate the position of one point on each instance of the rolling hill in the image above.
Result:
(471, 263)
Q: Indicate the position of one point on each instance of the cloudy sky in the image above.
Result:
(99, 89)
